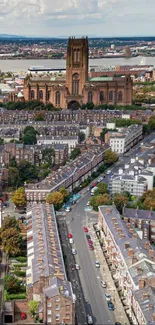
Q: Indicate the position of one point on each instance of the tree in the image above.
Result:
(33, 305)
(151, 123)
(100, 199)
(64, 192)
(75, 152)
(9, 222)
(102, 134)
(13, 162)
(27, 171)
(1, 141)
(102, 188)
(82, 136)
(30, 135)
(110, 157)
(11, 241)
(11, 284)
(39, 116)
(55, 198)
(120, 201)
(146, 129)
(13, 177)
(47, 156)
(18, 198)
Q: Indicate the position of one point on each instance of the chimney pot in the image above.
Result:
(130, 252)
(153, 317)
(151, 252)
(141, 283)
(147, 245)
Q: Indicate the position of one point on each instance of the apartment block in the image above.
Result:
(71, 141)
(69, 176)
(123, 140)
(46, 278)
(132, 263)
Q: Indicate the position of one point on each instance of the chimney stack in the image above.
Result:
(141, 283)
(153, 317)
(147, 245)
(139, 270)
(130, 252)
(145, 295)
(122, 235)
(150, 306)
(135, 235)
(127, 245)
(151, 252)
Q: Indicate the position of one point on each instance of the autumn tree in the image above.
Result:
(100, 199)
(120, 201)
(18, 198)
(63, 191)
(39, 116)
(110, 157)
(11, 284)
(11, 241)
(55, 198)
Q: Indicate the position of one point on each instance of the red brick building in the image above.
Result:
(77, 87)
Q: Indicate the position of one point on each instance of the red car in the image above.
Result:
(91, 247)
(94, 184)
(70, 236)
(90, 242)
(85, 229)
(23, 316)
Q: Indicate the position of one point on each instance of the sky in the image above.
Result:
(96, 18)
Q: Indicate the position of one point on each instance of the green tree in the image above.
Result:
(13, 162)
(18, 198)
(30, 135)
(151, 123)
(102, 188)
(146, 129)
(75, 152)
(27, 171)
(33, 305)
(1, 141)
(10, 222)
(102, 134)
(64, 192)
(39, 116)
(13, 177)
(120, 201)
(11, 284)
(47, 156)
(110, 157)
(82, 136)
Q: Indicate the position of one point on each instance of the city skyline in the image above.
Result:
(111, 18)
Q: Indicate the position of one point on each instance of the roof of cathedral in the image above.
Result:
(101, 79)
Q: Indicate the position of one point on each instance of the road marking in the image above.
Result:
(98, 277)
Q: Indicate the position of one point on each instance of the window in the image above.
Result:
(120, 96)
(49, 312)
(57, 98)
(32, 94)
(76, 55)
(57, 307)
(57, 299)
(90, 97)
(111, 95)
(48, 95)
(57, 316)
(75, 84)
(40, 94)
(49, 319)
(101, 96)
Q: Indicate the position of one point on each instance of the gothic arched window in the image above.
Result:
(32, 94)
(48, 95)
(101, 96)
(111, 95)
(75, 84)
(57, 98)
(90, 97)
(120, 96)
(40, 94)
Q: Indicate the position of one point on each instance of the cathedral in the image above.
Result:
(77, 87)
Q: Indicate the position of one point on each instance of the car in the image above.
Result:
(97, 264)
(77, 266)
(4, 205)
(107, 297)
(23, 316)
(108, 172)
(89, 320)
(88, 236)
(70, 235)
(90, 242)
(68, 209)
(85, 229)
(71, 240)
(111, 305)
(74, 252)
(88, 203)
(91, 247)
(94, 184)
(103, 284)
(117, 323)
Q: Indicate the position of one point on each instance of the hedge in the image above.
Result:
(21, 259)
(15, 296)
(20, 265)
(20, 273)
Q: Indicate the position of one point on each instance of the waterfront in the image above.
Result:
(23, 65)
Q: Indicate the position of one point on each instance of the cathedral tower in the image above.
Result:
(76, 66)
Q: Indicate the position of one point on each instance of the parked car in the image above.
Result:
(90, 242)
(77, 266)
(85, 229)
(117, 323)
(74, 252)
(97, 264)
(88, 203)
(108, 172)
(88, 236)
(103, 284)
(71, 240)
(107, 297)
(89, 320)
(70, 235)
(23, 316)
(68, 209)
(91, 247)
(111, 305)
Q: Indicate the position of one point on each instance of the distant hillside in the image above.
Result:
(11, 36)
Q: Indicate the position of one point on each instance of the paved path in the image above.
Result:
(2, 275)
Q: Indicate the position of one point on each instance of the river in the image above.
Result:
(22, 65)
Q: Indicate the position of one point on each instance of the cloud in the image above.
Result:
(36, 15)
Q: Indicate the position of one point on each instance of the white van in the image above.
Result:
(89, 320)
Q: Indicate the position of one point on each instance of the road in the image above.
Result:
(90, 277)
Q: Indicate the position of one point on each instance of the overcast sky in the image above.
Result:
(77, 17)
